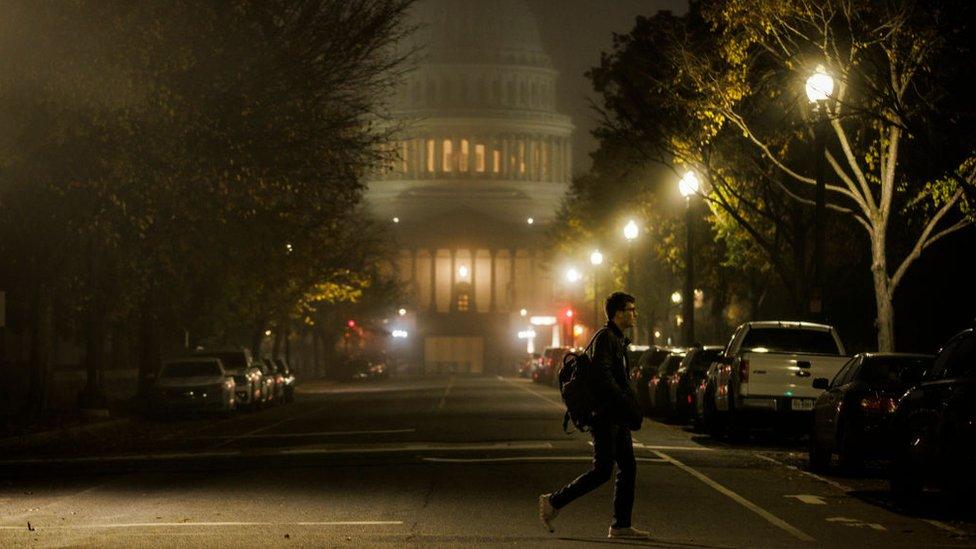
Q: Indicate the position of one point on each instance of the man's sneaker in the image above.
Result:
(547, 513)
(628, 533)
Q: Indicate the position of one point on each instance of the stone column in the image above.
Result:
(473, 297)
(452, 306)
(493, 303)
(433, 280)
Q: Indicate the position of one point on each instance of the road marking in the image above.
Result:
(833, 483)
(641, 445)
(809, 499)
(318, 434)
(422, 448)
(769, 517)
(527, 458)
(440, 405)
(855, 523)
(207, 524)
(947, 527)
(265, 428)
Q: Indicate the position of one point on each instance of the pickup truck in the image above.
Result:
(767, 370)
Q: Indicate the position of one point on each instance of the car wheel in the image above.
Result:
(818, 455)
(735, 426)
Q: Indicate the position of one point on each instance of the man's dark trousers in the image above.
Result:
(611, 444)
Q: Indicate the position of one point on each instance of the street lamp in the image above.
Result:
(688, 187)
(819, 88)
(596, 259)
(572, 275)
(630, 233)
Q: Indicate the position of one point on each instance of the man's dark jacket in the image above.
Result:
(609, 380)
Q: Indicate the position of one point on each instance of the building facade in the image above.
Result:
(483, 162)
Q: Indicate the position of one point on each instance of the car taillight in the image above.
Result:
(743, 371)
(690, 399)
(884, 405)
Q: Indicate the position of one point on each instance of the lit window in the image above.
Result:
(479, 158)
(430, 156)
(463, 156)
(462, 303)
(545, 161)
(521, 157)
(447, 161)
(496, 161)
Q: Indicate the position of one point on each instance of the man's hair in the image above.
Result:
(616, 302)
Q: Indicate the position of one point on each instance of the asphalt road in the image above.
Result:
(447, 461)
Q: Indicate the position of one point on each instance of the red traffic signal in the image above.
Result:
(569, 313)
(351, 323)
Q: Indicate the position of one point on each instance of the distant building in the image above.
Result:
(485, 162)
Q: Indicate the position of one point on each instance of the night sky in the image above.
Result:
(574, 32)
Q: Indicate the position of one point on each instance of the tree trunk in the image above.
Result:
(257, 336)
(885, 321)
(281, 332)
(149, 354)
(316, 356)
(93, 395)
(40, 350)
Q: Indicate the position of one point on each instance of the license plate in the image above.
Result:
(802, 404)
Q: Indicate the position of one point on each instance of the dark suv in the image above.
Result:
(935, 422)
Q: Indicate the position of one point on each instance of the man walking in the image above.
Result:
(616, 415)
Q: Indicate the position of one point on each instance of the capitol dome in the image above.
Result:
(499, 31)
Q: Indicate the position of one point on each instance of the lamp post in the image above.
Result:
(688, 186)
(819, 88)
(630, 233)
(596, 259)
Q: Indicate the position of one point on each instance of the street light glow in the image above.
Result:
(572, 275)
(631, 230)
(523, 312)
(463, 272)
(396, 219)
(402, 312)
(399, 334)
(689, 184)
(676, 297)
(820, 85)
(596, 258)
(530, 220)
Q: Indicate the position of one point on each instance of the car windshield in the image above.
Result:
(191, 369)
(232, 360)
(790, 340)
(703, 359)
(670, 365)
(900, 369)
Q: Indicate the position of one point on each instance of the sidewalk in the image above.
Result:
(18, 431)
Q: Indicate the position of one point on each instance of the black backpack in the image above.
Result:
(574, 388)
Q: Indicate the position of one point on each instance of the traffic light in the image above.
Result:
(569, 313)
(351, 323)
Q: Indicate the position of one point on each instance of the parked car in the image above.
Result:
(193, 385)
(658, 395)
(852, 417)
(549, 365)
(640, 374)
(525, 364)
(289, 376)
(767, 373)
(247, 376)
(276, 380)
(935, 423)
(686, 379)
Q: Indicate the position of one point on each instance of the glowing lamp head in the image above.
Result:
(463, 272)
(631, 230)
(676, 298)
(402, 312)
(530, 220)
(351, 323)
(689, 184)
(820, 85)
(596, 258)
(569, 313)
(572, 275)
(523, 312)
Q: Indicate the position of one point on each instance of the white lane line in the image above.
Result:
(809, 499)
(528, 458)
(440, 405)
(769, 517)
(947, 527)
(420, 448)
(835, 484)
(265, 428)
(317, 434)
(207, 524)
